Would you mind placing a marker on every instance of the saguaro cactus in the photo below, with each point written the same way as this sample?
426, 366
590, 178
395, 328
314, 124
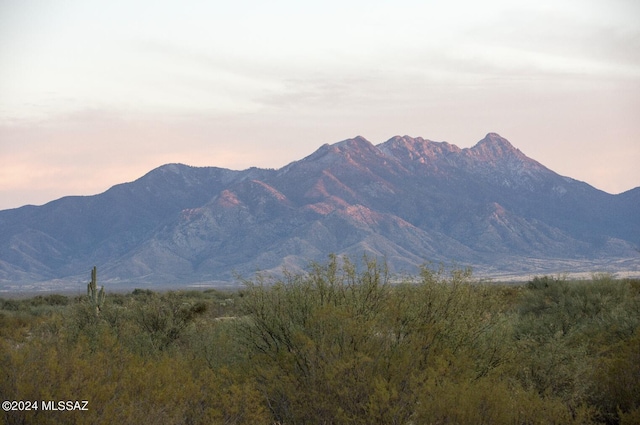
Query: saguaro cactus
96, 298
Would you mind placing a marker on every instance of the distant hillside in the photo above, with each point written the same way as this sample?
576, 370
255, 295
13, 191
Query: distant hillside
408, 200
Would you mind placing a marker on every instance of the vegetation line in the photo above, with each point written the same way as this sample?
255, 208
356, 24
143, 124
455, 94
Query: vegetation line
341, 344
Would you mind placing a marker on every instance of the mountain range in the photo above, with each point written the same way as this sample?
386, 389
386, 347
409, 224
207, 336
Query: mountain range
409, 201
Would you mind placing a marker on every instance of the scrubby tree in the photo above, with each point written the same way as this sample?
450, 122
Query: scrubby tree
345, 346
163, 318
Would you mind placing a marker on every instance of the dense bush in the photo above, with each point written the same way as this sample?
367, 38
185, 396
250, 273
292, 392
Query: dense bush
340, 344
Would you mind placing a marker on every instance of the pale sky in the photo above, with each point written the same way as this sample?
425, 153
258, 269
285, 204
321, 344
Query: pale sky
96, 93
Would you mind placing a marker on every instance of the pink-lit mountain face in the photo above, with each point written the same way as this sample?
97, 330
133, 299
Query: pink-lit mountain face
408, 201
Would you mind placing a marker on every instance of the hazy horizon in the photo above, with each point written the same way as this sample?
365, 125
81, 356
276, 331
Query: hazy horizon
94, 94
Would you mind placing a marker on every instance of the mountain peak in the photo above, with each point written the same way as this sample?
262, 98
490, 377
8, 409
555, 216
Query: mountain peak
492, 135
357, 142
495, 146
416, 149
345, 147
494, 139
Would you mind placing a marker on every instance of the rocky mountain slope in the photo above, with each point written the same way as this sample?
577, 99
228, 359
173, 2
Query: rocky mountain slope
409, 200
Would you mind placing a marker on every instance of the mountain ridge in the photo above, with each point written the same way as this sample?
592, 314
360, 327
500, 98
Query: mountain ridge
409, 200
